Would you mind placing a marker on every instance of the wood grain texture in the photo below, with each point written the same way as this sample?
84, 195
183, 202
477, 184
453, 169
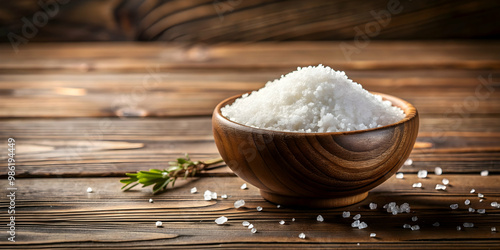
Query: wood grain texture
319, 170
59, 213
264, 20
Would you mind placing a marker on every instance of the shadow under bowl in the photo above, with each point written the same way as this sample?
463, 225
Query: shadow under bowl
316, 170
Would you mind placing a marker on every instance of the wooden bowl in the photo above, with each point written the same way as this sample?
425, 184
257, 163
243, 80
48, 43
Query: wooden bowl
318, 170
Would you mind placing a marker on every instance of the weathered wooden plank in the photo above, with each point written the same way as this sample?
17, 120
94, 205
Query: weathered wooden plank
49, 212
112, 146
159, 93
138, 57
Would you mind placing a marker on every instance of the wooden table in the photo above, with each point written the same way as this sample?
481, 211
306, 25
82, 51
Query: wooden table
83, 114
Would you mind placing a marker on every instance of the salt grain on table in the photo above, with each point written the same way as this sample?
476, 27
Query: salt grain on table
346, 214
214, 196
467, 202
422, 174
373, 235
244, 186
472, 191
355, 223
400, 175
495, 204
224, 196
415, 228
362, 225
159, 224
440, 187
472, 210
250, 226
259, 208
468, 224
302, 235
356, 217
480, 195
493, 229
436, 224
481, 210
406, 226
445, 181
417, 185
194, 190
320, 218
253, 230
459, 228
438, 171
485, 173
282, 222
239, 203
454, 206
408, 162
414, 218
89, 190
221, 220
245, 223
372, 206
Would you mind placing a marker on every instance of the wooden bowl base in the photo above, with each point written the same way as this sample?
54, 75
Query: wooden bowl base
327, 202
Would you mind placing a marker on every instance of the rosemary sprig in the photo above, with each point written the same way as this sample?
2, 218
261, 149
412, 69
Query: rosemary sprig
184, 167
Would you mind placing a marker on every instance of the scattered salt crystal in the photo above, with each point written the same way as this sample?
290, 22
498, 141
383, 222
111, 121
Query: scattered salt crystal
481, 210
408, 162
415, 228
495, 204
89, 190
151, 200
467, 202
320, 218
244, 186
472, 210
414, 218
440, 187
472, 191
480, 195
208, 192
239, 203
422, 174
278, 206
355, 223
346, 214
214, 196
253, 230
245, 223
224, 196
259, 208
454, 206
400, 175
406, 226
250, 226
480, 200
356, 217
373, 235
485, 173
445, 181
302, 235
493, 229
207, 195
282, 222
159, 224
373, 206
221, 220
194, 190
468, 224
362, 225
313, 99
459, 228
436, 224
417, 185
293, 219
438, 171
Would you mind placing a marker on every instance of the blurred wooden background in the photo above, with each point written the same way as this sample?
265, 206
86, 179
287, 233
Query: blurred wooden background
212, 21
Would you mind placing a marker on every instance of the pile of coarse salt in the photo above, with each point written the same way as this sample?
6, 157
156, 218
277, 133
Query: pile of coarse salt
313, 99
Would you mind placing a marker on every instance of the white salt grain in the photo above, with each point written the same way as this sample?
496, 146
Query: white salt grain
239, 203
417, 185
245, 223
440, 187
445, 181
151, 201
214, 196
481, 200
278, 206
282, 222
372, 206
89, 190
414, 218
302, 235
313, 99
468, 224
373, 235
356, 217
320, 218
480, 195
224, 196
438, 171
159, 224
467, 202
194, 190
481, 210
493, 229
472, 210
485, 173
422, 174
293, 219
221, 220
436, 224
406, 226
259, 208
472, 191
454, 206
207, 195
459, 228
250, 226
355, 223
400, 175
415, 228
408, 162
346, 214
253, 230
362, 225
244, 186
495, 204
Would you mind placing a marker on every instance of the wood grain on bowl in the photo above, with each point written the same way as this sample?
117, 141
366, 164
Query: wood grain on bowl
316, 169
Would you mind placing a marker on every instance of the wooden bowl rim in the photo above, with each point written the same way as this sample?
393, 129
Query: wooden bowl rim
409, 110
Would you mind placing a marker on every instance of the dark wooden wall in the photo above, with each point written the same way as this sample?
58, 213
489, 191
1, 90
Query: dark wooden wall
214, 21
